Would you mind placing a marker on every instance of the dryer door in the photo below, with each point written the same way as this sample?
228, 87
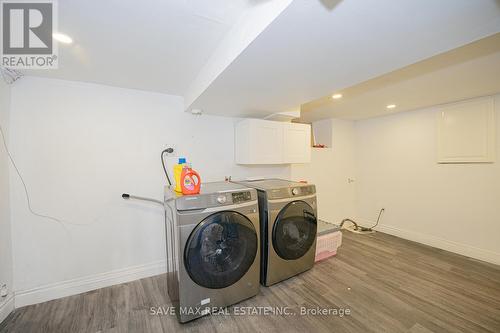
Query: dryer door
221, 249
294, 230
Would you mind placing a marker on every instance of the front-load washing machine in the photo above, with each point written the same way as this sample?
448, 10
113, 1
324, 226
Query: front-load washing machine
212, 248
288, 221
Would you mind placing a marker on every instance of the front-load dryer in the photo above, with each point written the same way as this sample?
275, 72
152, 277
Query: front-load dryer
288, 221
212, 248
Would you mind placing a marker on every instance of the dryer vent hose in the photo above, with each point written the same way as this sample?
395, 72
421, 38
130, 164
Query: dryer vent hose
361, 228
127, 196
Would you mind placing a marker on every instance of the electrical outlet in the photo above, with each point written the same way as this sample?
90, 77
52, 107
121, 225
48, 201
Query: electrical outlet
4, 291
172, 154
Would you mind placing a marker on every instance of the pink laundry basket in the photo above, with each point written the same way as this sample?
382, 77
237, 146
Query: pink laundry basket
328, 240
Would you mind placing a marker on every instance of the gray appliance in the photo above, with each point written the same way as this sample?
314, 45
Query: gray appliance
212, 248
288, 222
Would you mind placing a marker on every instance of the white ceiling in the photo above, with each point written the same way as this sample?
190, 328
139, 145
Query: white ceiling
317, 47
469, 71
156, 45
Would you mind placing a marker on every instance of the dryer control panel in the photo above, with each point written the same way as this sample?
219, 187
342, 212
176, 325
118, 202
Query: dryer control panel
291, 192
302, 190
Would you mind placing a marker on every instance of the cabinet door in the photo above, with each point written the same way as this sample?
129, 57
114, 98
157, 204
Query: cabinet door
259, 142
267, 137
297, 143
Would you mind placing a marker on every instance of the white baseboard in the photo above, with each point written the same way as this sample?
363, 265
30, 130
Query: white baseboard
6, 306
444, 244
81, 285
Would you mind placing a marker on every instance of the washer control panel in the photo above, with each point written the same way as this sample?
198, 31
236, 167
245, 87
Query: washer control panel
239, 197
221, 199
216, 199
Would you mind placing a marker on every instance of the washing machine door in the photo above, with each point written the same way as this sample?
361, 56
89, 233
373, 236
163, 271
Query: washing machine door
221, 249
294, 230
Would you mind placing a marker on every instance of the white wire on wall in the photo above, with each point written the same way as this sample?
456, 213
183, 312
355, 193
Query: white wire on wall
24, 183
10, 75
26, 192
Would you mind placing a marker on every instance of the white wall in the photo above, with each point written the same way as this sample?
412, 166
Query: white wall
79, 147
451, 206
5, 229
330, 169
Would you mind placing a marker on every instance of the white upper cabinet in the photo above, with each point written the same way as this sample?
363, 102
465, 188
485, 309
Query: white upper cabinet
297, 143
270, 142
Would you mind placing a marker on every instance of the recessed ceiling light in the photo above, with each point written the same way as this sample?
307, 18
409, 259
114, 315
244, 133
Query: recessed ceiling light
336, 96
391, 106
62, 38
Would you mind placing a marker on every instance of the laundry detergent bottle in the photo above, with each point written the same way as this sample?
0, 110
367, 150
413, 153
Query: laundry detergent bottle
190, 180
177, 174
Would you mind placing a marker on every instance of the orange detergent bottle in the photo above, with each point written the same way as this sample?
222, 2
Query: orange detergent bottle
190, 181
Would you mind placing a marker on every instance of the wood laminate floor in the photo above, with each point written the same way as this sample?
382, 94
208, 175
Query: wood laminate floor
388, 284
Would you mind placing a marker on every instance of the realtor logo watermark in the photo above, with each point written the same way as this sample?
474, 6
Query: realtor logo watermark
27, 28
